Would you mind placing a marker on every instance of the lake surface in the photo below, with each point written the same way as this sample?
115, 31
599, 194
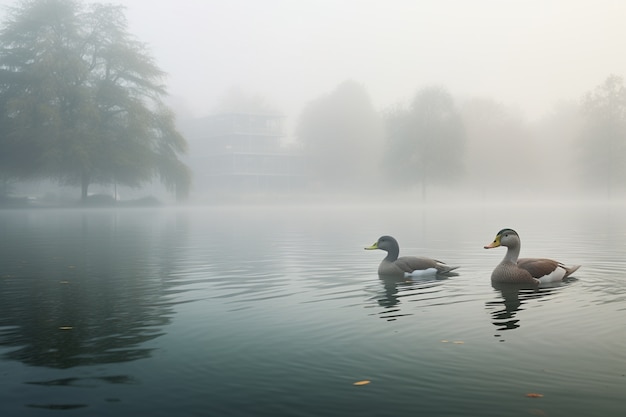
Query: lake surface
268, 311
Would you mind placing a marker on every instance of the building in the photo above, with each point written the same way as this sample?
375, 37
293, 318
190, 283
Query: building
235, 153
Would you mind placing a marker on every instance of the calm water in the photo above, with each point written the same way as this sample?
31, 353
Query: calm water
278, 311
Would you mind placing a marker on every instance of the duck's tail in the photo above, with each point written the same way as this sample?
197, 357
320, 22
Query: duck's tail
444, 269
569, 270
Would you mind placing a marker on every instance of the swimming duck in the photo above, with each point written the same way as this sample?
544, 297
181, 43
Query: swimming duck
406, 266
525, 270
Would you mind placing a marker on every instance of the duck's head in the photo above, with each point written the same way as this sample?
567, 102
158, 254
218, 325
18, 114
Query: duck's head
505, 237
386, 243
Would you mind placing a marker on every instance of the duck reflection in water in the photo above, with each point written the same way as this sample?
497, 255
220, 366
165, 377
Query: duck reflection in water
395, 290
515, 298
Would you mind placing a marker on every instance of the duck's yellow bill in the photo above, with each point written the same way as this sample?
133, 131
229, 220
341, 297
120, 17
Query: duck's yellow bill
374, 246
494, 244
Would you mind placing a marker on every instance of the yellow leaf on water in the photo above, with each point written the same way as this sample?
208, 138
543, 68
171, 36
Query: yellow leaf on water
65, 328
364, 382
458, 342
444, 341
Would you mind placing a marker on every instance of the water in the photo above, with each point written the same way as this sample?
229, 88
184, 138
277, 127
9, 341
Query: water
266, 311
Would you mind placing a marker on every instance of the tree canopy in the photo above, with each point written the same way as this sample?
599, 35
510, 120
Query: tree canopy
81, 100
501, 160
603, 136
341, 135
426, 141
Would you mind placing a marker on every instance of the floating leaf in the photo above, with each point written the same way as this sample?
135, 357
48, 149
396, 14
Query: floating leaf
444, 341
65, 328
458, 342
534, 395
364, 382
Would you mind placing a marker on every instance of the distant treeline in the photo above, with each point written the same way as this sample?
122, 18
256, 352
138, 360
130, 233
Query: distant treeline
477, 145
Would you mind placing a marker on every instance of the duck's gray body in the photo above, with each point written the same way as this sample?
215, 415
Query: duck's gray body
517, 270
403, 266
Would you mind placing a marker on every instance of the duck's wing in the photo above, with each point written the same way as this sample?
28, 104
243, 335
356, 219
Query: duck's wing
545, 270
411, 264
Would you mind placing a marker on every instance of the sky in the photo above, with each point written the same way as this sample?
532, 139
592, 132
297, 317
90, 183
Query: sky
527, 54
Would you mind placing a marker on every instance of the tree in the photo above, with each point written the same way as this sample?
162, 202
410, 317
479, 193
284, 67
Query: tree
81, 100
603, 136
501, 157
556, 144
341, 135
426, 141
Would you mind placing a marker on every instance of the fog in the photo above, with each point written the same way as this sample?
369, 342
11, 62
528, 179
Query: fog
530, 54
513, 70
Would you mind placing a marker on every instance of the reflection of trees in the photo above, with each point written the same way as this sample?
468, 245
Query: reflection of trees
85, 291
395, 289
513, 299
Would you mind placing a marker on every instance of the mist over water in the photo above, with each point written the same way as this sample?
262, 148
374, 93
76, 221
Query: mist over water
270, 310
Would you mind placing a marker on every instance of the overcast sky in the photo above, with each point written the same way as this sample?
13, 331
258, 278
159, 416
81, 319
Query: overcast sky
528, 54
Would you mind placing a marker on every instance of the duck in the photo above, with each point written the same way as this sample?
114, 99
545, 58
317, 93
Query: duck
406, 266
517, 270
